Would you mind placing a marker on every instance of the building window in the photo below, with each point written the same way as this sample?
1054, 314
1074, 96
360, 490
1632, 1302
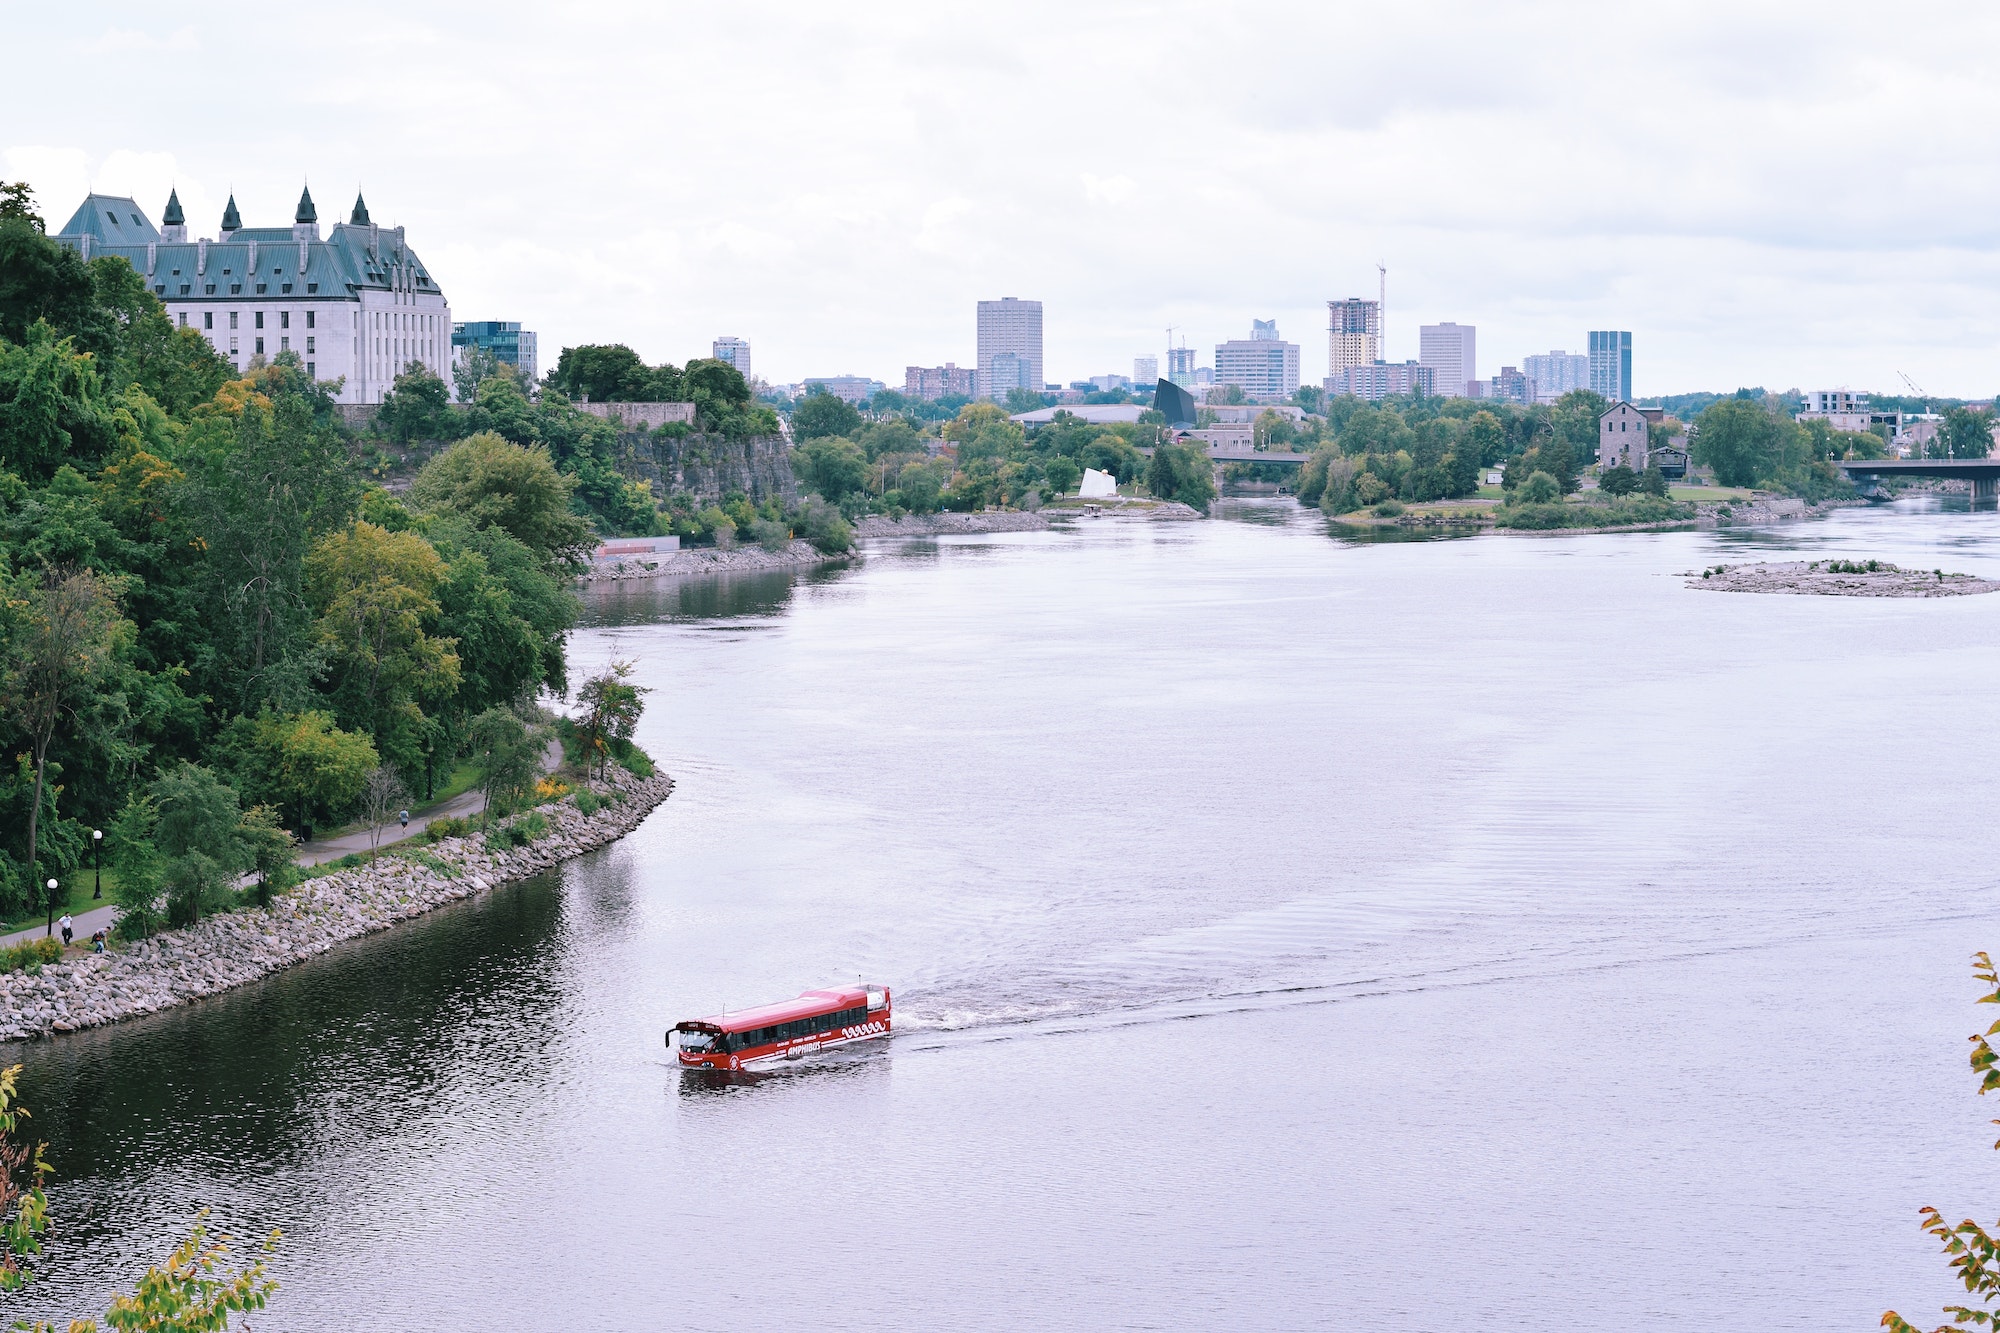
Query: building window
312, 369
208, 319
284, 319
209, 289
312, 289
285, 289
232, 347
236, 289
184, 319
263, 287
260, 347
232, 319
284, 344
311, 320
259, 317
310, 347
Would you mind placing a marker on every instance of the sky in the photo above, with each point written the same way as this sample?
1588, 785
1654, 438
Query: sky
1785, 195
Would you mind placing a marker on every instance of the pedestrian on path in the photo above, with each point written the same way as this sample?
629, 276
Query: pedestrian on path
405, 817
67, 927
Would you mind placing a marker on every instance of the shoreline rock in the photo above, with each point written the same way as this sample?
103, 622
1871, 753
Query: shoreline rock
1813, 579
236, 948
708, 560
948, 524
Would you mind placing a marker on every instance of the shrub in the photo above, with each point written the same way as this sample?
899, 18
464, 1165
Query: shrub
589, 802
446, 826
48, 949
632, 759
349, 861
437, 865
531, 826
1389, 509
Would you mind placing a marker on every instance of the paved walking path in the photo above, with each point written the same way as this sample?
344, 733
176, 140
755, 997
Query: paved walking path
85, 924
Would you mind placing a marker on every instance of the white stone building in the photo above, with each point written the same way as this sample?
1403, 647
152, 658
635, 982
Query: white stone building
357, 306
736, 351
1262, 365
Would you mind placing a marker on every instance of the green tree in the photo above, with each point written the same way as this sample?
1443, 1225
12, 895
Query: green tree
53, 408
302, 763
417, 407
820, 414
41, 279
196, 829
1620, 480
493, 483
612, 706
1182, 472
269, 848
1738, 439
1964, 433
62, 635
507, 755
831, 465
1063, 475
140, 869
1024, 400
376, 592
603, 373
1539, 489
921, 487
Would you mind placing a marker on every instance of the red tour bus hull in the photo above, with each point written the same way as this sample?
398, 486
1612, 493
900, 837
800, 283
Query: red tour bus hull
788, 1030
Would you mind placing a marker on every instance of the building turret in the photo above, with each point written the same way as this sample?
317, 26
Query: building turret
305, 222
232, 221
173, 222
360, 215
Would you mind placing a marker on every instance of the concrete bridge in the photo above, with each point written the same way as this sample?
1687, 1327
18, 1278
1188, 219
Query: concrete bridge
1983, 473
1225, 453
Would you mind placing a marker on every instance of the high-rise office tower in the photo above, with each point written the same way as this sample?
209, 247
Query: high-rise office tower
1145, 371
1180, 366
736, 351
1611, 364
1013, 329
1353, 334
1262, 365
1451, 351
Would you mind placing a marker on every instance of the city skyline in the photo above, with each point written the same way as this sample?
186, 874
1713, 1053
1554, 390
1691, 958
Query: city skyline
871, 243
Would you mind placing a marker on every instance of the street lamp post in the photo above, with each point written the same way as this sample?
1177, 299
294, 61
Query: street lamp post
52, 907
97, 860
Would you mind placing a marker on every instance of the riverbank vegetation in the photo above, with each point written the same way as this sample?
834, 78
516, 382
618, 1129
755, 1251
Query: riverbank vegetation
216, 632
892, 461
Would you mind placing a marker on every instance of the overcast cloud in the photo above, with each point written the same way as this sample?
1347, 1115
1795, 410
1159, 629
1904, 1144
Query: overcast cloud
1787, 195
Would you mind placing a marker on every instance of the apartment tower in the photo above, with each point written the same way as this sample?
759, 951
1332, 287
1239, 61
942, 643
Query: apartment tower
1353, 335
1611, 364
1010, 346
1451, 351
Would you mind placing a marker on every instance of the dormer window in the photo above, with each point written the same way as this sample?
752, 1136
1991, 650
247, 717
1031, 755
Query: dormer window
312, 289
176, 273
225, 273
136, 222
236, 289
261, 287
284, 289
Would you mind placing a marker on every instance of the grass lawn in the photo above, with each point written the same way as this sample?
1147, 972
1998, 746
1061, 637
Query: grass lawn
78, 883
1728, 493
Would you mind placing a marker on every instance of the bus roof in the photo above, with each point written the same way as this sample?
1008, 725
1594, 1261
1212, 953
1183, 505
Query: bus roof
805, 1006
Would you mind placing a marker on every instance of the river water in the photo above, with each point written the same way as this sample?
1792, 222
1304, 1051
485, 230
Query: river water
1288, 932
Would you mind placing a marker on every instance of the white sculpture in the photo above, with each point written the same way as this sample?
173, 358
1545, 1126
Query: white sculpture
1097, 485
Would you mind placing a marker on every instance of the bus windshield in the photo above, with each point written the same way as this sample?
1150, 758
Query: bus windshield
697, 1041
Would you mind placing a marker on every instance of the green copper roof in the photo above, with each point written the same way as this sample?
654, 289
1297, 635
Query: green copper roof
110, 219
359, 217
231, 219
173, 217
306, 213
341, 265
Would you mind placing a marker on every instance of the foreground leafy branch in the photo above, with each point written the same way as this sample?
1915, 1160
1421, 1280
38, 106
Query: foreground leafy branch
1973, 1251
193, 1292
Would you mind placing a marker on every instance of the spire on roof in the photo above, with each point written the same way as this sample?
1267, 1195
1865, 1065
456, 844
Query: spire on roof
306, 213
173, 216
231, 219
360, 218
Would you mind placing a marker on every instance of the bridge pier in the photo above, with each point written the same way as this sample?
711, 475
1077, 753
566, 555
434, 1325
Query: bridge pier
1986, 491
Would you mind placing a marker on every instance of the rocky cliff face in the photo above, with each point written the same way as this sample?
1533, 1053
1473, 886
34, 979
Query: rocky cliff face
709, 467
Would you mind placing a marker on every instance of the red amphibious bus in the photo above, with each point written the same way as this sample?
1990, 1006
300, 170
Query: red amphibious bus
758, 1038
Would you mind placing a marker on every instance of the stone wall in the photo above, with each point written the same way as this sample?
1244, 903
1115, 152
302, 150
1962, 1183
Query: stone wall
234, 948
640, 416
708, 467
